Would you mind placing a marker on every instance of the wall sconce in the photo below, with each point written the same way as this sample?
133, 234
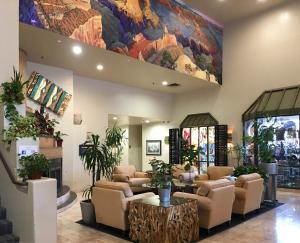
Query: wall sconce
229, 136
77, 119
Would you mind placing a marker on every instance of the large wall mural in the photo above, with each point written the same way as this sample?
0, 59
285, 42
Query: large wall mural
167, 33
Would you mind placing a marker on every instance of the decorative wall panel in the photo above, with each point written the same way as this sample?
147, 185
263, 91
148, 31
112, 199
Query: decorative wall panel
167, 33
46, 93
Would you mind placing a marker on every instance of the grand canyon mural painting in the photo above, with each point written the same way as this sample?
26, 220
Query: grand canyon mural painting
167, 33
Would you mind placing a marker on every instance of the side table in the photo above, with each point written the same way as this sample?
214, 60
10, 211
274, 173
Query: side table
175, 222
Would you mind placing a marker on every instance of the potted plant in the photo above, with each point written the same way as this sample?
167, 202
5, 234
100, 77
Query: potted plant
155, 164
115, 140
189, 155
263, 140
12, 95
33, 166
20, 127
162, 180
58, 138
43, 123
249, 169
99, 160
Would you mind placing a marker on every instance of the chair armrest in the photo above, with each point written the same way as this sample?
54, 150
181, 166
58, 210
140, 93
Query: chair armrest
120, 178
140, 175
135, 197
203, 177
204, 203
240, 193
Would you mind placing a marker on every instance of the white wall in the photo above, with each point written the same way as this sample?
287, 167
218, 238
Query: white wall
95, 99
64, 79
155, 131
260, 53
135, 146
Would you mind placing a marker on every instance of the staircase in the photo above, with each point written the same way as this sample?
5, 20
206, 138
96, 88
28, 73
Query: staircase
6, 228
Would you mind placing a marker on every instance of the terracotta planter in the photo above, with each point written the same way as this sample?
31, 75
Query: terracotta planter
35, 175
59, 143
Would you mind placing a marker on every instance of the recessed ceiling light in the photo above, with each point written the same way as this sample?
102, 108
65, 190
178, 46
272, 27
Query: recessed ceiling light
261, 1
77, 50
164, 83
284, 17
59, 41
100, 67
115, 118
147, 121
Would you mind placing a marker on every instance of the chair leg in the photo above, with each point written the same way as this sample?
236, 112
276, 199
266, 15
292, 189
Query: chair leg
244, 216
228, 223
208, 231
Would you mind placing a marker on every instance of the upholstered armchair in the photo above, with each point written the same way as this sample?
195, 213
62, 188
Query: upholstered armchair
181, 174
248, 193
128, 174
111, 200
215, 200
213, 173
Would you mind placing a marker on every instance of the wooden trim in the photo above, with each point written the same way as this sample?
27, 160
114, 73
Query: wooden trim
10, 174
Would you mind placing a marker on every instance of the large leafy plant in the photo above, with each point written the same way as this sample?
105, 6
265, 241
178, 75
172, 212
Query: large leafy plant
163, 176
21, 127
249, 169
43, 123
12, 95
32, 164
189, 154
263, 138
99, 160
115, 141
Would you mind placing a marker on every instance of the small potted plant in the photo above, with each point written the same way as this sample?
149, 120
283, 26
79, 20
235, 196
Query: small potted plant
58, 138
33, 166
155, 164
189, 154
162, 180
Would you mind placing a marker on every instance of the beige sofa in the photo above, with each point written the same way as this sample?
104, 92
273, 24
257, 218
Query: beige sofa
215, 200
248, 193
110, 200
213, 173
128, 174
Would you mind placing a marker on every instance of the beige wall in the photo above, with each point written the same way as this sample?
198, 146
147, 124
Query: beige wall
135, 146
260, 53
155, 131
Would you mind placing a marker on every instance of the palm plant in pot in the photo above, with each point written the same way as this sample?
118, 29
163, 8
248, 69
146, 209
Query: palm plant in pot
263, 139
162, 180
33, 166
99, 160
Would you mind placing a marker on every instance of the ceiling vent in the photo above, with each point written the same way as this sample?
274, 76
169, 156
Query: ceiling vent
174, 85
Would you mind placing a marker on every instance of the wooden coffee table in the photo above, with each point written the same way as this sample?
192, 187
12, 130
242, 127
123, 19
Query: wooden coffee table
173, 222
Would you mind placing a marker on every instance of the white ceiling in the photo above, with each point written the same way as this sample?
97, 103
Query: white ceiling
123, 120
227, 11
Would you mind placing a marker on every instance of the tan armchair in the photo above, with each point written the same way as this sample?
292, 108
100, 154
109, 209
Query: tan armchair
213, 173
248, 193
215, 200
128, 174
110, 200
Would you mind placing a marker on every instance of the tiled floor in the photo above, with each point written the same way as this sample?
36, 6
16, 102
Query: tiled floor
279, 225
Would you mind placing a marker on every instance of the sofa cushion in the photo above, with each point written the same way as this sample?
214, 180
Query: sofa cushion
119, 186
240, 182
120, 178
138, 181
206, 186
128, 170
217, 172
